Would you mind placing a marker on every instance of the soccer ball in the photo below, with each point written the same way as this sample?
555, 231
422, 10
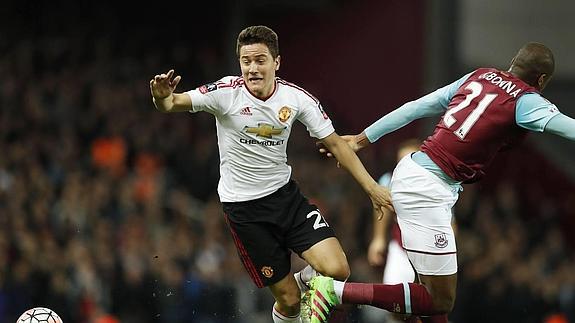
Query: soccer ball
39, 315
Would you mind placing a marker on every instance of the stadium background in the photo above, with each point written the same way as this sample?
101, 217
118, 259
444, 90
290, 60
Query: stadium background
108, 209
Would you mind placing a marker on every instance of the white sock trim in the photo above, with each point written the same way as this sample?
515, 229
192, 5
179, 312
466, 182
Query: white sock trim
308, 273
338, 288
303, 277
300, 283
407, 296
280, 318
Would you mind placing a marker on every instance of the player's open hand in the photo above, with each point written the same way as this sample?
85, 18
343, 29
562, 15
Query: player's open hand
163, 85
381, 200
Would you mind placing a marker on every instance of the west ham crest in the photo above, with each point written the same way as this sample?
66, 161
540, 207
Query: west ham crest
441, 240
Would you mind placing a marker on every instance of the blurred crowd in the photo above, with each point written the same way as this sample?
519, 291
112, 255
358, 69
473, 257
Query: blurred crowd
108, 208
515, 268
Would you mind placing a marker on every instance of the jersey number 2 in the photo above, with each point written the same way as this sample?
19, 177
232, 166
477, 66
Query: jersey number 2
476, 89
319, 220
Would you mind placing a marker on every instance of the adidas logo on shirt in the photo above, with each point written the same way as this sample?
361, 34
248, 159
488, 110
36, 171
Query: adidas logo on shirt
246, 111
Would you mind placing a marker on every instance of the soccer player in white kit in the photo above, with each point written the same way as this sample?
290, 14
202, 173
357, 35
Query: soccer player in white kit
266, 213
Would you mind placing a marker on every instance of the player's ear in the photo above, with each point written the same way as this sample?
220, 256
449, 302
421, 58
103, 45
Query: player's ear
277, 62
542, 81
513, 60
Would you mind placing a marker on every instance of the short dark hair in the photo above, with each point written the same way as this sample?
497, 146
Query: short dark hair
259, 35
532, 60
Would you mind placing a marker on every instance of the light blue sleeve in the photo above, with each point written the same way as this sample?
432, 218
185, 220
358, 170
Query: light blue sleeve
533, 112
385, 179
432, 104
561, 125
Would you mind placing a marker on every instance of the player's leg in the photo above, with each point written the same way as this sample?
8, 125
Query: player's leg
328, 258
433, 295
397, 270
330, 266
441, 318
423, 205
404, 298
268, 264
313, 239
443, 290
257, 231
287, 296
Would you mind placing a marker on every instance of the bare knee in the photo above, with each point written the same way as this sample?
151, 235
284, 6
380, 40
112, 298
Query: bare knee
342, 272
338, 270
327, 258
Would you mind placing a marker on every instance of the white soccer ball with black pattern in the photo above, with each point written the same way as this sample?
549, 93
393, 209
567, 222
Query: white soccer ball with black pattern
39, 315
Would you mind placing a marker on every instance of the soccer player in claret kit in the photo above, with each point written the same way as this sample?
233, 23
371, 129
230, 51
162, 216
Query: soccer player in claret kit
267, 214
484, 112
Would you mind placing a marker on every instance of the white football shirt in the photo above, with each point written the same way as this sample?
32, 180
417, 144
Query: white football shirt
253, 134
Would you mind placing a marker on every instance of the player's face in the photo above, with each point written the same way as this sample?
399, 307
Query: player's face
258, 69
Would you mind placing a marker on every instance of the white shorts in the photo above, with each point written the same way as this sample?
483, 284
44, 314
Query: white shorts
423, 204
397, 266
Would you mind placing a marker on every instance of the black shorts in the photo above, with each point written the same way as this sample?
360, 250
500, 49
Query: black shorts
266, 230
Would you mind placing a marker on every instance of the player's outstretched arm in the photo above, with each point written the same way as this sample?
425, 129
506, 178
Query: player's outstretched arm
355, 142
432, 104
561, 125
380, 196
162, 88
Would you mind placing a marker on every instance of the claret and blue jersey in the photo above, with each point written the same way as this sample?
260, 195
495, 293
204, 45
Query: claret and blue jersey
484, 111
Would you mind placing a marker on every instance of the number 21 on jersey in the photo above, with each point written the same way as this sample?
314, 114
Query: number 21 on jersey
476, 88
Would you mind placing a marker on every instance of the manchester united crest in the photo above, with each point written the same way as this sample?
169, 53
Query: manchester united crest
267, 271
284, 114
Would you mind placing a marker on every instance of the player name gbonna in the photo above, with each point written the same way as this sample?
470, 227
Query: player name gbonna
506, 85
